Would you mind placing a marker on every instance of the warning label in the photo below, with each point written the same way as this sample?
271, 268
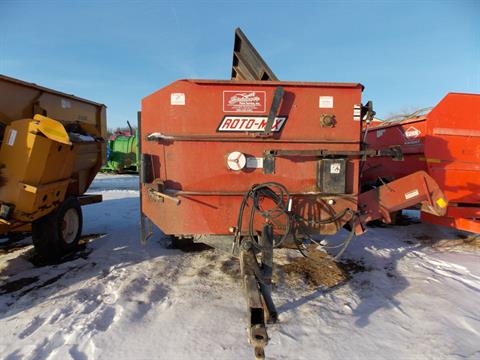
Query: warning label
177, 99
244, 101
250, 123
66, 104
326, 102
335, 168
12, 137
411, 194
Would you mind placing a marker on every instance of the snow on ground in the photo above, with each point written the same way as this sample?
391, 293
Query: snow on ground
117, 299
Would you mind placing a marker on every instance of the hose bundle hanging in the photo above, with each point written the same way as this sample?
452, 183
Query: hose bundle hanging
282, 200
282, 203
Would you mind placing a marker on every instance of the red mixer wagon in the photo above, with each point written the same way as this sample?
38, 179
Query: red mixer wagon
251, 164
446, 144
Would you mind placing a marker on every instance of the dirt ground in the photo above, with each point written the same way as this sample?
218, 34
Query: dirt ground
462, 243
290, 268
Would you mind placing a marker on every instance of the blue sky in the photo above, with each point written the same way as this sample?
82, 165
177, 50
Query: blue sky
407, 54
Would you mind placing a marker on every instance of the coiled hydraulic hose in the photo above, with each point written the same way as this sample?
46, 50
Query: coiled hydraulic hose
281, 198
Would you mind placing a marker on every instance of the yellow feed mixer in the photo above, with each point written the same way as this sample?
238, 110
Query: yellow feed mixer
52, 147
37, 159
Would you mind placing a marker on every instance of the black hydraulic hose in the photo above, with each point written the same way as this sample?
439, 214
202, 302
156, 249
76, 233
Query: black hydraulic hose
323, 221
343, 245
282, 200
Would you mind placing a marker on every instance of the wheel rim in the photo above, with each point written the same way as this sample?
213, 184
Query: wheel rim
70, 226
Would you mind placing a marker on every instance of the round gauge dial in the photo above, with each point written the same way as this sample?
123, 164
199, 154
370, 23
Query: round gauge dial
236, 161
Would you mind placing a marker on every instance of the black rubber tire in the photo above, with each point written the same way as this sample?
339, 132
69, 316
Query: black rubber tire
47, 232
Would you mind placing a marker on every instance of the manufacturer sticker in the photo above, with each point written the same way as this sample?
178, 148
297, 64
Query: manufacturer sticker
244, 101
326, 102
412, 133
249, 123
177, 99
411, 194
380, 133
12, 137
335, 168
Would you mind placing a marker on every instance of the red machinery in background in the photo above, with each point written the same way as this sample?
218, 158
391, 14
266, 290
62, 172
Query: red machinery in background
252, 163
446, 144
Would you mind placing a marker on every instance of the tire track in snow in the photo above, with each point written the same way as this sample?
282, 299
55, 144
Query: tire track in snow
98, 304
448, 270
90, 309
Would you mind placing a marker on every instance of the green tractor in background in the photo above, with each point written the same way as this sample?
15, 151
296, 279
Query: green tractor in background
122, 152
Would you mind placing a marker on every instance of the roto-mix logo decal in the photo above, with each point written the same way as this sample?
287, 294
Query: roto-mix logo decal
241, 123
244, 101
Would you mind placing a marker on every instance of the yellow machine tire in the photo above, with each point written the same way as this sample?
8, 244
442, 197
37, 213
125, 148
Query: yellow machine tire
58, 233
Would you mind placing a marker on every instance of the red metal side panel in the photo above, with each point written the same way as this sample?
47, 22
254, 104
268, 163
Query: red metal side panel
459, 223
410, 136
452, 146
192, 108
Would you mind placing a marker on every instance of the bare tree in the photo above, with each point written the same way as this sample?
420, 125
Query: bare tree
407, 112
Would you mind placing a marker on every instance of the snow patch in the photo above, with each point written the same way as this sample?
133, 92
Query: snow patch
123, 300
